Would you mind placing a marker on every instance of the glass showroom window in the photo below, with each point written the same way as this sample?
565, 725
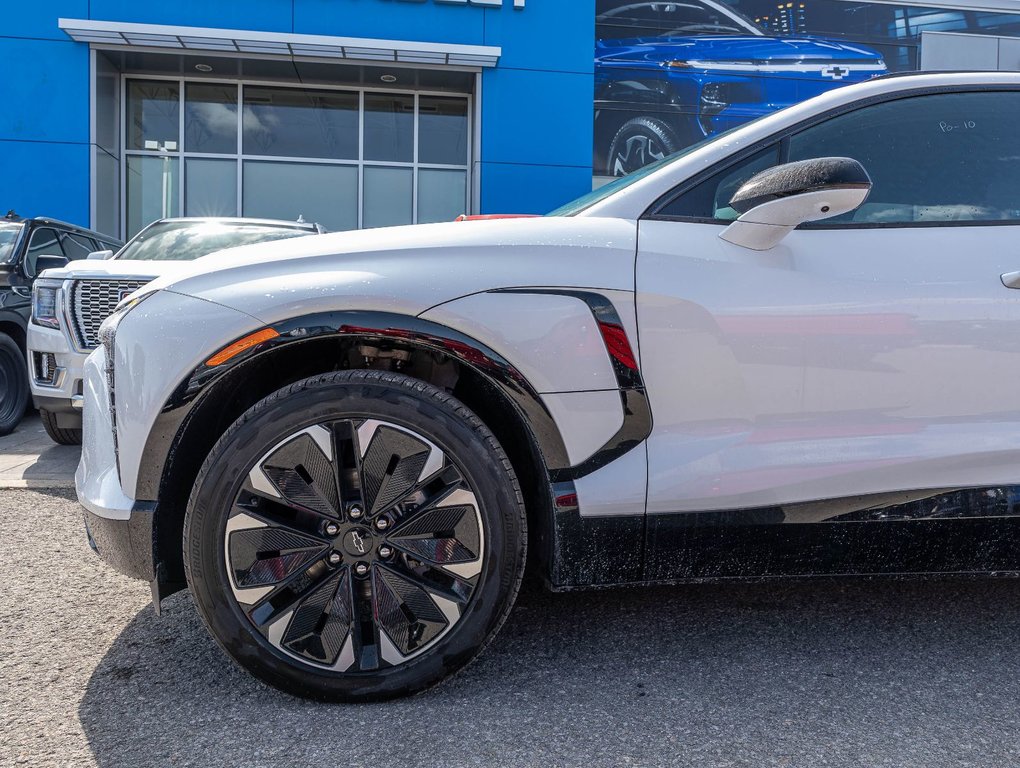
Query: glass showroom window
345, 158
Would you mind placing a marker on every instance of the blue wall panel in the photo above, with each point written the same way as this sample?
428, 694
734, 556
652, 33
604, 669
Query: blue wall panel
520, 188
556, 35
39, 19
537, 117
391, 20
44, 90
262, 15
45, 179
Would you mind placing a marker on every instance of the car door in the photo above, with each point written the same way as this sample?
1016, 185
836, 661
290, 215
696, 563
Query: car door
871, 353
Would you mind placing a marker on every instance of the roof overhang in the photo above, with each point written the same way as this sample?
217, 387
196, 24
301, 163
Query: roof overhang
116, 35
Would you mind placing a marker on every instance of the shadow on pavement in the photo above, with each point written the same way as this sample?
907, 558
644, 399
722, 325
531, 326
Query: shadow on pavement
54, 466
849, 673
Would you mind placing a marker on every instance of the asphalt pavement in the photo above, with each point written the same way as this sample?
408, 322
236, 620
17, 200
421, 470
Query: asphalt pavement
816, 673
29, 459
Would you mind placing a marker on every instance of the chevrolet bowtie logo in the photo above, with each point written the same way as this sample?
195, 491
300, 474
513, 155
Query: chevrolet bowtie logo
358, 542
836, 72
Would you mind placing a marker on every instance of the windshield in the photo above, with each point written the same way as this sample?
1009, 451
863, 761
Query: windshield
600, 194
597, 195
8, 237
188, 240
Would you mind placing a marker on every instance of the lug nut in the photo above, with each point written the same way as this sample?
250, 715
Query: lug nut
355, 512
361, 569
334, 558
382, 524
385, 552
332, 529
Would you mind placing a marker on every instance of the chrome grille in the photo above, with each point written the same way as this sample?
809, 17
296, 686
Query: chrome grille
108, 338
92, 301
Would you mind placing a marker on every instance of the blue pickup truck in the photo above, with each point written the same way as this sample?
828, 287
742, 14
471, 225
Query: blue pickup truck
669, 74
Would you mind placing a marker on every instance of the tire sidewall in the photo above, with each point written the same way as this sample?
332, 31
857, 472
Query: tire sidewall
14, 401
319, 400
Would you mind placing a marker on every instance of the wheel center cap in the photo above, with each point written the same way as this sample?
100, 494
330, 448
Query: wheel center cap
357, 542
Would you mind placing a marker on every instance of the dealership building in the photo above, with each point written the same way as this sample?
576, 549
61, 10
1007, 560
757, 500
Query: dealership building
351, 113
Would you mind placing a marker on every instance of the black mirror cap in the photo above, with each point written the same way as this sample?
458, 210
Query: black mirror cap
48, 262
799, 178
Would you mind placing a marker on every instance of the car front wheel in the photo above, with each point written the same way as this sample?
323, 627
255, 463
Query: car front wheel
355, 536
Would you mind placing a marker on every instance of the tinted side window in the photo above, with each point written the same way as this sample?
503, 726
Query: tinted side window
948, 157
77, 247
42, 243
710, 198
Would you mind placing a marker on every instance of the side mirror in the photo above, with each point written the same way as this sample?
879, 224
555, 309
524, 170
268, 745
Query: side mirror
776, 201
48, 262
100, 255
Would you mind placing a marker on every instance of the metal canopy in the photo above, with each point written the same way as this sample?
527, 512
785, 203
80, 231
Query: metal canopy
113, 34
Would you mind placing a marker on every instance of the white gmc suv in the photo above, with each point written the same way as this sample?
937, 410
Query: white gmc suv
791, 350
69, 304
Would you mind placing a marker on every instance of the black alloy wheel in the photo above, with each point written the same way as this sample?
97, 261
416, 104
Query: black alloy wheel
355, 536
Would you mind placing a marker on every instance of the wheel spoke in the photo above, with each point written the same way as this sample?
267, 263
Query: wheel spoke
348, 464
425, 496
277, 512
288, 593
322, 620
366, 635
445, 535
432, 578
301, 471
406, 612
391, 466
264, 550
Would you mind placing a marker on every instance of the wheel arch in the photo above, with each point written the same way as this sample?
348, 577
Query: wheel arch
16, 331
208, 401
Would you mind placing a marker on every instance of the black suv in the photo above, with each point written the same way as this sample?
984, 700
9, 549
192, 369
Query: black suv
27, 247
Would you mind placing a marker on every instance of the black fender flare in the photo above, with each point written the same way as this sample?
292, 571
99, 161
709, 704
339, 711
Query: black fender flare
566, 531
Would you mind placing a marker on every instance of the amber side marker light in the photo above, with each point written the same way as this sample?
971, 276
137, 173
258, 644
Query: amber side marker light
241, 345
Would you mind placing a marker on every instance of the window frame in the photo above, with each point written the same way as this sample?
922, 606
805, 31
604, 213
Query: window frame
783, 136
74, 237
57, 232
361, 162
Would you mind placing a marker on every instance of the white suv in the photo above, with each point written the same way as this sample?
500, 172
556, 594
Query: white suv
68, 304
793, 349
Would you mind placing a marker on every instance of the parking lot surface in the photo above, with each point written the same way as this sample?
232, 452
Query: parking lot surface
29, 459
823, 673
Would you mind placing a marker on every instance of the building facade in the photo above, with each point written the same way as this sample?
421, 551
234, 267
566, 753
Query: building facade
365, 113
352, 113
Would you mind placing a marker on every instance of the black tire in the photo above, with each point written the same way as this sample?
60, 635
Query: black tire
13, 384
281, 437
61, 435
640, 141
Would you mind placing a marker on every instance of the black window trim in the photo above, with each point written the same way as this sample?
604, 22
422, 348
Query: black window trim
783, 138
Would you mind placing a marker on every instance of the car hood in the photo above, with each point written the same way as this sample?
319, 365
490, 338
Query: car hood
115, 269
749, 48
410, 269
